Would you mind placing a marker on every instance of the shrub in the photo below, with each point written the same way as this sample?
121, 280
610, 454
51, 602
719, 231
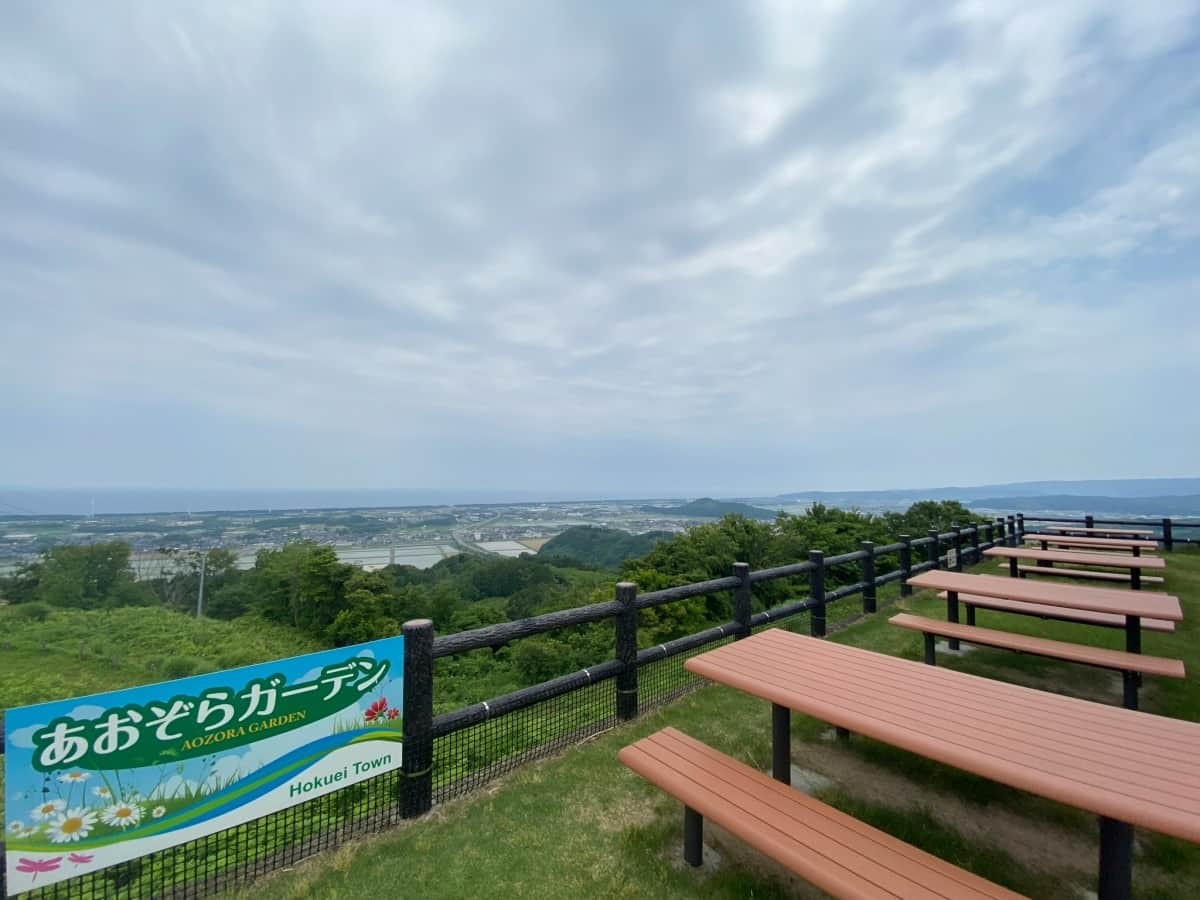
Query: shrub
180, 666
32, 612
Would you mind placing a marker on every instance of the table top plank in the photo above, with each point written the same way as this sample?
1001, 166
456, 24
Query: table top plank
1112, 560
1127, 765
1115, 543
1147, 604
1132, 532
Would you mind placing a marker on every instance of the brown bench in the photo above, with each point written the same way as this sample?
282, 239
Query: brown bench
835, 852
1081, 573
1047, 611
1130, 665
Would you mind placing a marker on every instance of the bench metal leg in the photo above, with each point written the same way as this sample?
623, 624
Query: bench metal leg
693, 837
1014, 570
1133, 634
930, 652
1116, 860
952, 615
781, 743
1135, 579
970, 614
843, 734
1130, 682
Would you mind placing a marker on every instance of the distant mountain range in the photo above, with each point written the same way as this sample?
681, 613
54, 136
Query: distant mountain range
1133, 506
1118, 488
708, 508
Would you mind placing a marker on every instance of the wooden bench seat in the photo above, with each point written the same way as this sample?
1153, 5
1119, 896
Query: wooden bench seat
835, 852
1047, 611
1081, 573
1129, 664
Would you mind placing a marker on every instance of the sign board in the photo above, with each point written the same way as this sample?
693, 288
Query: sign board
98, 780
951, 558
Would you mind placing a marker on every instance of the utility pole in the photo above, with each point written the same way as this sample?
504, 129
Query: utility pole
200, 596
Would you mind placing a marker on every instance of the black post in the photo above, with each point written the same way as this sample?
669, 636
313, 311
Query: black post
1133, 634
975, 557
957, 539
1129, 684
991, 533
999, 538
781, 743
417, 760
868, 576
1089, 522
693, 837
930, 652
933, 550
952, 615
1012, 531
1168, 539
816, 593
1013, 570
1020, 527
1135, 578
741, 600
627, 678
1116, 860
905, 565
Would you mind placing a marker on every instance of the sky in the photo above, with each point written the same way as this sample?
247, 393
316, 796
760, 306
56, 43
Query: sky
615, 248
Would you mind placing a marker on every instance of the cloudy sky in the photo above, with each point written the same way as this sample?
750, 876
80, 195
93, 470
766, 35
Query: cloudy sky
617, 248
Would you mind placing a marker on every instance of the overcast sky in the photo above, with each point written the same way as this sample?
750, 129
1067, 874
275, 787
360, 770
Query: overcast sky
622, 248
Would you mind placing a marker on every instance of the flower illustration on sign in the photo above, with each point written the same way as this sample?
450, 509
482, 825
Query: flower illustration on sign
73, 777
47, 809
158, 812
73, 825
122, 814
38, 866
376, 710
16, 827
102, 792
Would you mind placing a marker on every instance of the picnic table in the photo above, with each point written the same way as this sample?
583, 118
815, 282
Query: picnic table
1129, 545
1129, 768
1134, 606
1134, 564
1091, 532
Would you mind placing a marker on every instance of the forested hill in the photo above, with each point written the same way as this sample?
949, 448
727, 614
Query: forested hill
708, 508
604, 548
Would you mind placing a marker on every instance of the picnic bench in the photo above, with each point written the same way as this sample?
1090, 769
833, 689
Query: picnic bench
1132, 606
1092, 531
1130, 768
1131, 545
1130, 665
1047, 558
836, 852
1089, 574
1044, 611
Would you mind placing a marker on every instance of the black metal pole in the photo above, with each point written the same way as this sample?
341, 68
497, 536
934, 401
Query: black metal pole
781, 743
1020, 526
933, 550
626, 651
958, 541
1168, 538
1133, 634
1135, 578
975, 557
1089, 522
868, 576
742, 596
999, 538
416, 785
1012, 531
1014, 570
693, 837
816, 593
1116, 860
930, 651
905, 565
952, 615
1129, 692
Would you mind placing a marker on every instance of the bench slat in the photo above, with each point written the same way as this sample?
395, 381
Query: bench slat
1081, 558
1048, 611
1119, 660
834, 851
1082, 573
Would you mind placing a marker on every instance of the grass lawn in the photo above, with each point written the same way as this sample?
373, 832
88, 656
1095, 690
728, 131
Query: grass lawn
581, 825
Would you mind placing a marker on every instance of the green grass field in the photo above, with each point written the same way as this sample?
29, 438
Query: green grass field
581, 825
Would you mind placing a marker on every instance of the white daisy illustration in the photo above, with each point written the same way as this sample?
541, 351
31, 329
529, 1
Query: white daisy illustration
102, 792
46, 809
73, 777
122, 814
16, 827
72, 825
158, 812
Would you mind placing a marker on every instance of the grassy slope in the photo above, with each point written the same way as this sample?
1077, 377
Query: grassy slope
581, 825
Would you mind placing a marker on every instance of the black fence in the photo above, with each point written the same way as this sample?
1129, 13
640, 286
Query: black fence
449, 755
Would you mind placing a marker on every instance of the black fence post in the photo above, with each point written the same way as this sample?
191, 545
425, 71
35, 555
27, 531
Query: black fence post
975, 557
1012, 531
1168, 539
816, 593
933, 550
1020, 527
868, 576
416, 785
627, 678
741, 600
956, 541
1089, 521
905, 565
998, 536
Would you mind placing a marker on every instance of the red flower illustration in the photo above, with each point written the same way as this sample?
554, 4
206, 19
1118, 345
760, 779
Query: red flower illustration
80, 858
393, 713
376, 710
38, 866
